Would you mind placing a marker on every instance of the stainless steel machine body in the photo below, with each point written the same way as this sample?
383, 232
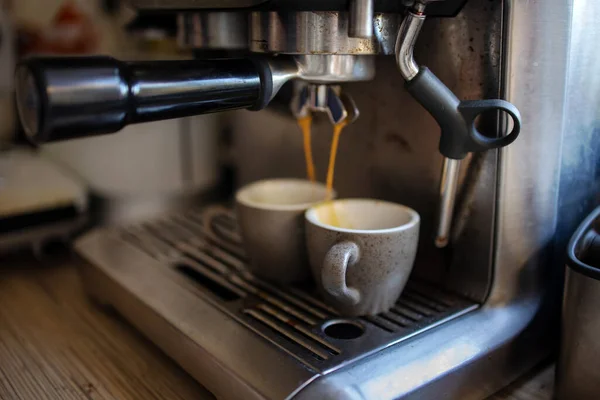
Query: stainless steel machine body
492, 295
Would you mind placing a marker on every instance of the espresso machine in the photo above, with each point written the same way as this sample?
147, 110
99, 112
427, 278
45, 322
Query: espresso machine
482, 301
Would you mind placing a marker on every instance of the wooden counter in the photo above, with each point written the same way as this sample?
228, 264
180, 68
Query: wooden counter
56, 344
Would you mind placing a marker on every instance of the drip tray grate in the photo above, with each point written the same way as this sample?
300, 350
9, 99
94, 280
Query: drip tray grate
292, 318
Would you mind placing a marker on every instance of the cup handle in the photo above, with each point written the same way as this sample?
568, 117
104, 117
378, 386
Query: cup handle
207, 223
333, 273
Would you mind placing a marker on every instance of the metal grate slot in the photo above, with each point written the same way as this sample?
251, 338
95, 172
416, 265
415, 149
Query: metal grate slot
293, 300
431, 292
305, 330
226, 243
406, 313
397, 319
148, 243
382, 323
219, 289
425, 301
418, 308
293, 318
139, 243
205, 259
311, 299
278, 303
165, 235
173, 233
287, 333
230, 261
228, 223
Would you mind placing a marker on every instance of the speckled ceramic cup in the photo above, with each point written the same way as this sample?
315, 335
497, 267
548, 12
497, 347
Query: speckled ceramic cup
361, 252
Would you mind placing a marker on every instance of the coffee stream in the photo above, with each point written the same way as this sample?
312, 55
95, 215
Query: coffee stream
327, 212
337, 130
305, 125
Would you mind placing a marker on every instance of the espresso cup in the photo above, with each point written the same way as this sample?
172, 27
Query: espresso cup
361, 252
270, 216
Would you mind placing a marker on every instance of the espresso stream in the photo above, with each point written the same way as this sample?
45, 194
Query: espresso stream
327, 213
305, 124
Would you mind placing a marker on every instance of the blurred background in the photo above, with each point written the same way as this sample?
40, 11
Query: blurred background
50, 192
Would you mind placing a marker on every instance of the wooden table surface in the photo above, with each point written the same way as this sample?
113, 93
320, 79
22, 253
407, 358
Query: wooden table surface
56, 344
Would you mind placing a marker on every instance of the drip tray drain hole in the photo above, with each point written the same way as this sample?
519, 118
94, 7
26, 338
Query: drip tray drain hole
343, 329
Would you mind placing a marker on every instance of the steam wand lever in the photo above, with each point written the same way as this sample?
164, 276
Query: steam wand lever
456, 118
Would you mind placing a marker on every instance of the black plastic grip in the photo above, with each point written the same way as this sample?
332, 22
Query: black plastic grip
68, 97
457, 118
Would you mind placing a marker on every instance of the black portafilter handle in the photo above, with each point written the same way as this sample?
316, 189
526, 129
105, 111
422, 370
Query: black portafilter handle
60, 98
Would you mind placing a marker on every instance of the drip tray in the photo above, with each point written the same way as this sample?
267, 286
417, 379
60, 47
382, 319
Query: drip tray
293, 319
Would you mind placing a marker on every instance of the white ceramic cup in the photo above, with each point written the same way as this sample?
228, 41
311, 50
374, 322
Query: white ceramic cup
270, 215
361, 252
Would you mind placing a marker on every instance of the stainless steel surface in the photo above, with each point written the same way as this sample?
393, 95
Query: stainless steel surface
187, 322
448, 188
132, 270
580, 183
282, 71
419, 5
183, 245
168, 265
333, 68
318, 96
385, 31
577, 372
310, 98
528, 186
535, 193
169, 309
224, 30
361, 19
329, 99
405, 44
318, 32
455, 361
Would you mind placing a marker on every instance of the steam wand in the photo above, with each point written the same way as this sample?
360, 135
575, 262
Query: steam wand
456, 118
